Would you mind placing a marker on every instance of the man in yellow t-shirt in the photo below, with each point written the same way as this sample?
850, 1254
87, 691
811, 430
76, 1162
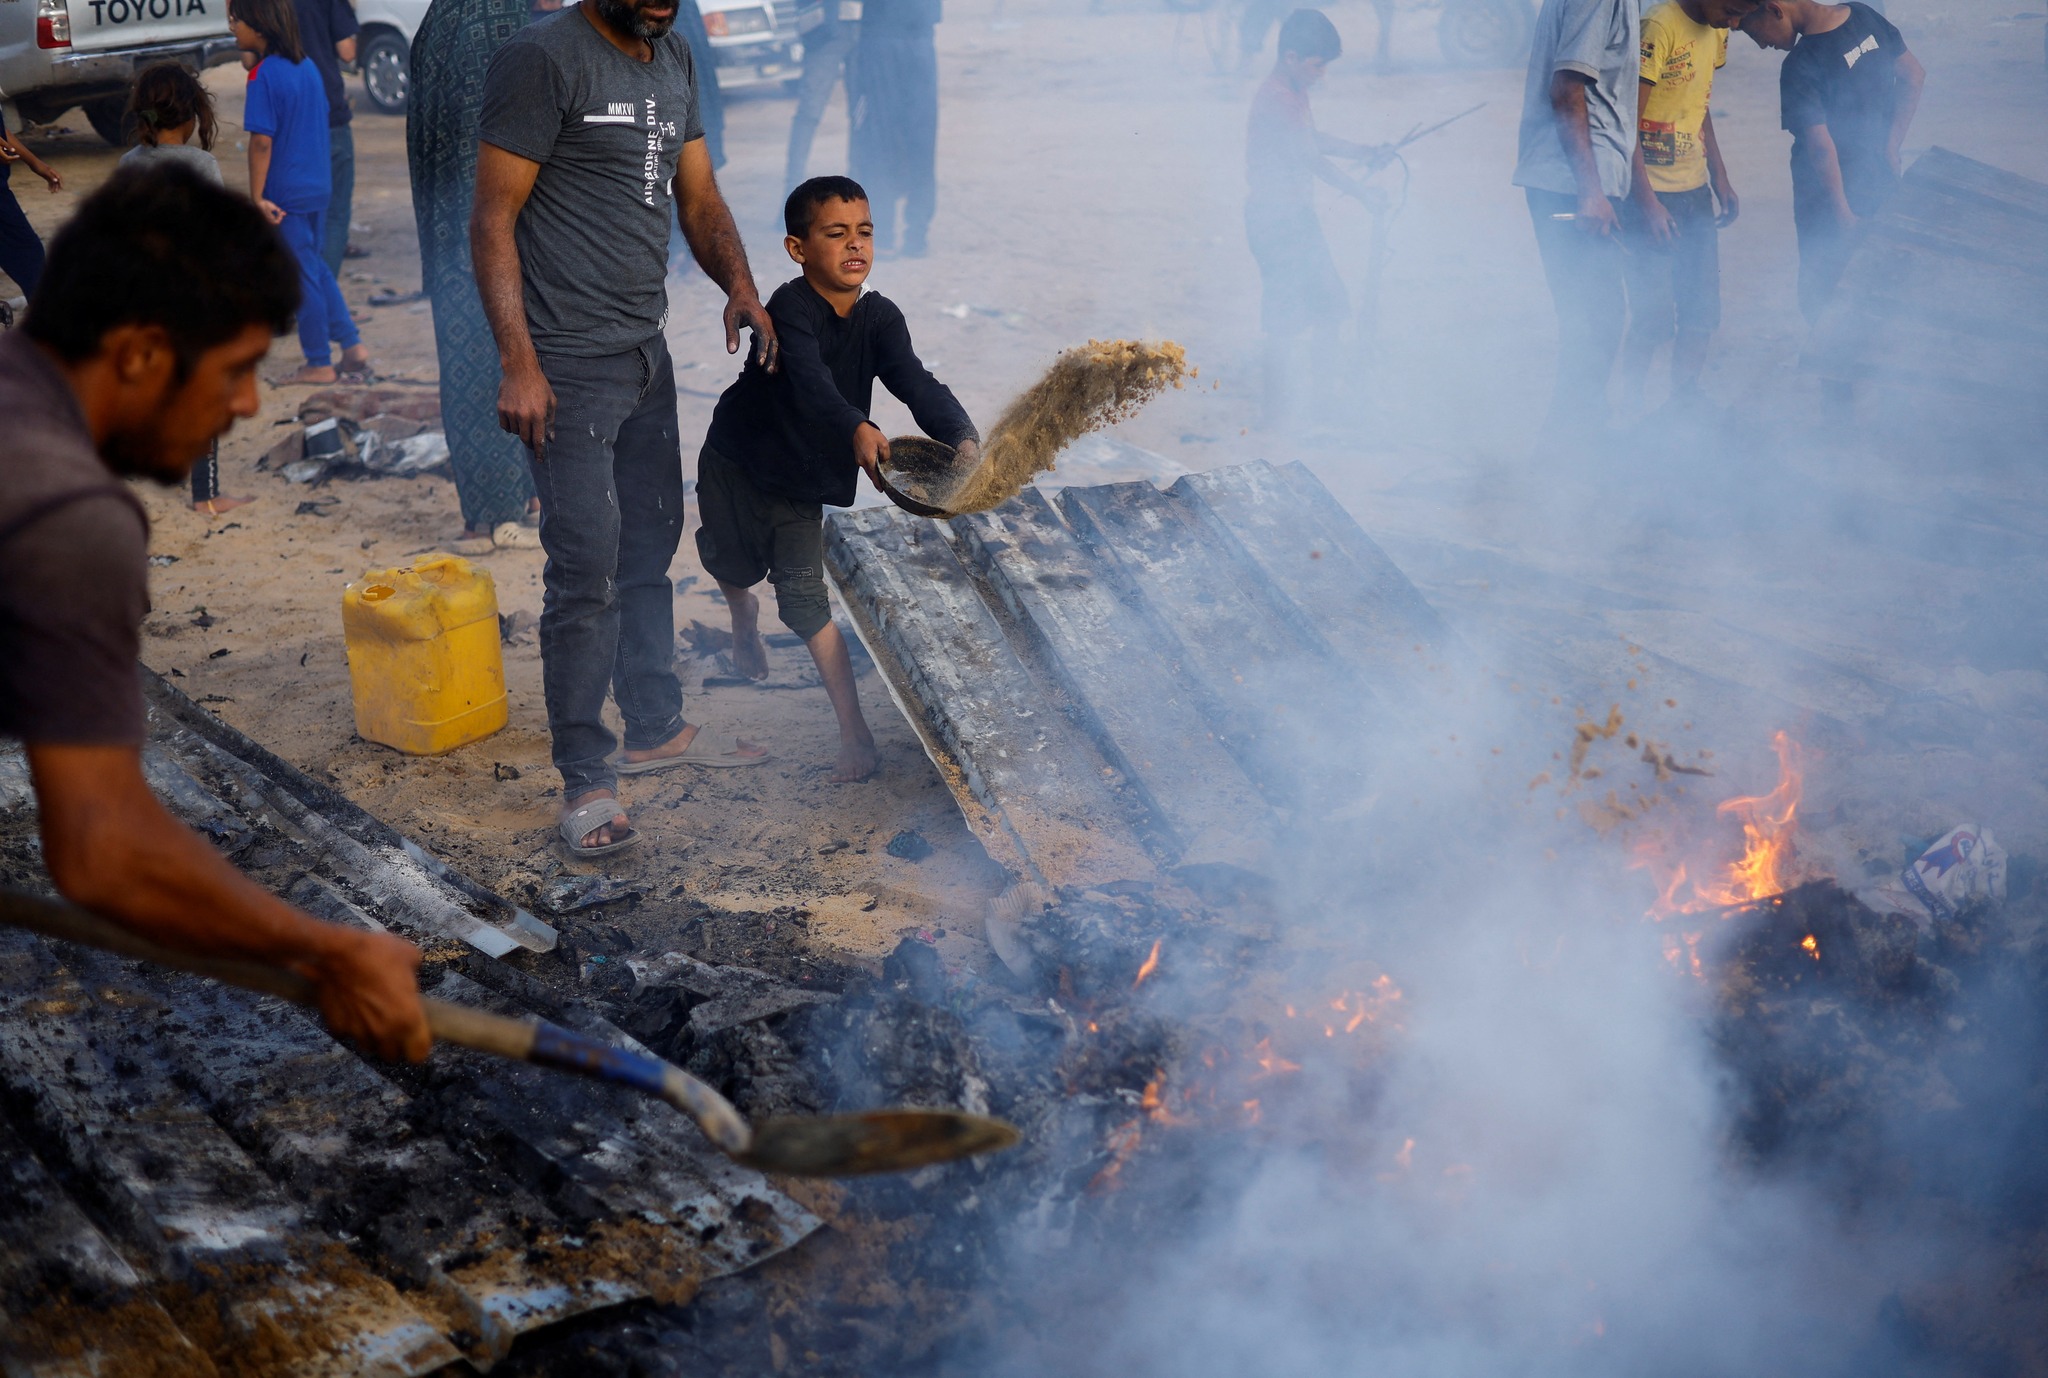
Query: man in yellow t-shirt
1669, 224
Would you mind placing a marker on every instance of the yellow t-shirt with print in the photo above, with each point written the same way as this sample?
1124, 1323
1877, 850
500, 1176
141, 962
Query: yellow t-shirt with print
1680, 58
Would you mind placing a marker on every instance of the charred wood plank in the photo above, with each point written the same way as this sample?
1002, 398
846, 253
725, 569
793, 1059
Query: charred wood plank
176, 1187
1034, 795
1126, 690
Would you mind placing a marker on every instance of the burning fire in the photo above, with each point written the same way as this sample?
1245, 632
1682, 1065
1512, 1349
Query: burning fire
1151, 964
1218, 1088
1769, 829
1811, 946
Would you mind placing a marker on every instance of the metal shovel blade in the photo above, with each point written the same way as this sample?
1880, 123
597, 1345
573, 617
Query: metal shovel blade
878, 1141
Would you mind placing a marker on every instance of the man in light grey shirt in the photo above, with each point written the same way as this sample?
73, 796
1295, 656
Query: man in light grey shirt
590, 144
1578, 138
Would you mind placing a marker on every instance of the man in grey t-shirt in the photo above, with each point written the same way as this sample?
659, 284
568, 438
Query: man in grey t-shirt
590, 141
140, 349
1577, 140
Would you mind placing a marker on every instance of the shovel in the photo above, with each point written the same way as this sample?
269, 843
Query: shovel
821, 1146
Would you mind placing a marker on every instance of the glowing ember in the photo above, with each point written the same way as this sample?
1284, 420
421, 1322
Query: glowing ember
1271, 1063
1151, 964
1812, 946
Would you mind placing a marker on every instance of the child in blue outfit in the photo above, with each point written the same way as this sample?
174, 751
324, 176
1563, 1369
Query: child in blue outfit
290, 175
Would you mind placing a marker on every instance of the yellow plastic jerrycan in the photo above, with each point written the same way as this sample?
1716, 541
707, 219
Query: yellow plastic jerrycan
423, 655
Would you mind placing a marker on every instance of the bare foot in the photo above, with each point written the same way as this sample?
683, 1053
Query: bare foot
750, 655
605, 834
857, 762
213, 507
678, 744
355, 360
749, 652
312, 374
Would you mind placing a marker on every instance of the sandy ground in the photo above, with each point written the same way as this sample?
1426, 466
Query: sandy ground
1091, 187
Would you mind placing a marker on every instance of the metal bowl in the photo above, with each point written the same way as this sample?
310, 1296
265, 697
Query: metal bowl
921, 475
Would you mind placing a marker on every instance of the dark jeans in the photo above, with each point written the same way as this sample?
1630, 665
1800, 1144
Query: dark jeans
21, 249
611, 517
893, 84
206, 476
1677, 286
1585, 276
341, 162
824, 64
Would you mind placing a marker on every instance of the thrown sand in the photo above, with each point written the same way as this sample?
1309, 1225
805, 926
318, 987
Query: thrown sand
1086, 389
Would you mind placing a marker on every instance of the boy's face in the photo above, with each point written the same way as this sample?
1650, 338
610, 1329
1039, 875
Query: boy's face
1303, 72
1726, 14
839, 248
1769, 27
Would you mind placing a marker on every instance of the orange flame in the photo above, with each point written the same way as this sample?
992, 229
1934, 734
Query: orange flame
1811, 945
1151, 964
1769, 829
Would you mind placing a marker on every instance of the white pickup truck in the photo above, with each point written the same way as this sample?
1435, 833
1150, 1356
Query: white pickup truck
55, 54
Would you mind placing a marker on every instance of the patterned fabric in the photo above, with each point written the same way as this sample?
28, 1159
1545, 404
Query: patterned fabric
449, 55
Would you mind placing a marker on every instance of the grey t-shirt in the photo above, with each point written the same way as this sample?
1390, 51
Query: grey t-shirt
607, 131
174, 155
1599, 39
74, 578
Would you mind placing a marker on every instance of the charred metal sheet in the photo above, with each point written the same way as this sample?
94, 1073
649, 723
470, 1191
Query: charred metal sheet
1948, 287
986, 722
1176, 663
189, 1154
1128, 694
182, 1192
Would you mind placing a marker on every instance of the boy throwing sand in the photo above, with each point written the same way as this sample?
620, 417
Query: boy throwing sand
783, 445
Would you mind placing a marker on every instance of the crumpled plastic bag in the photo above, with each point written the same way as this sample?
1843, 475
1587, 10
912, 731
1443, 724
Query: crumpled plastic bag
1963, 867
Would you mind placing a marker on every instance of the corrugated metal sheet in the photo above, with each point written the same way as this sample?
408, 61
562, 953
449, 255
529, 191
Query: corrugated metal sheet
1948, 288
1125, 680
189, 1171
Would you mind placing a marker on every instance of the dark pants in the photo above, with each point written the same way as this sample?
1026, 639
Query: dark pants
341, 162
206, 476
21, 249
323, 315
745, 535
611, 517
824, 63
893, 83
1585, 276
1677, 286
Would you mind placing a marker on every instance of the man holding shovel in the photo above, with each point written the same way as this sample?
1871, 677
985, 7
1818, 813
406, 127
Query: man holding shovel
140, 349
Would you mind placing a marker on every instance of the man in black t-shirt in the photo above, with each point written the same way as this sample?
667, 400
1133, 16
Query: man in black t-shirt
327, 30
140, 349
1846, 93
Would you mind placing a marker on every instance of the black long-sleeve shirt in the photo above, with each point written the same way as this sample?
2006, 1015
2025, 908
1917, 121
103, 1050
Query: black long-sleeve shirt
792, 431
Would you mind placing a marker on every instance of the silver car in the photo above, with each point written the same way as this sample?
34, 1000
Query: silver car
55, 54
